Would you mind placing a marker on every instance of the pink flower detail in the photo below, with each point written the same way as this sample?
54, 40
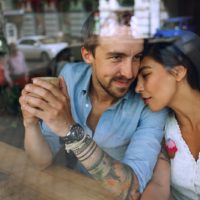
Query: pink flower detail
171, 148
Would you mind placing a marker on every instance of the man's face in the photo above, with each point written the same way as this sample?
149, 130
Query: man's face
115, 64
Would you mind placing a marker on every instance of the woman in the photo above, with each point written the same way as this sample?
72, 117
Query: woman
169, 76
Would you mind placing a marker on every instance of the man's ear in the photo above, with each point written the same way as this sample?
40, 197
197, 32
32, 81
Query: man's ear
179, 72
87, 55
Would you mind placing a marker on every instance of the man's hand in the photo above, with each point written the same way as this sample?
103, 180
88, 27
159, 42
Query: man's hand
49, 103
28, 118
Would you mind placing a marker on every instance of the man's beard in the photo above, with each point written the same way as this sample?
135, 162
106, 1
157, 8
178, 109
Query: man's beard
121, 91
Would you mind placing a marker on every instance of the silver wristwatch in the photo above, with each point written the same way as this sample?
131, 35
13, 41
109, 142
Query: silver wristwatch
75, 134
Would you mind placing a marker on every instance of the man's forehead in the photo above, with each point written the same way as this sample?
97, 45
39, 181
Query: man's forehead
114, 40
116, 45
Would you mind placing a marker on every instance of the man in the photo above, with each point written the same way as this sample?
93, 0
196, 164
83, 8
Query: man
117, 139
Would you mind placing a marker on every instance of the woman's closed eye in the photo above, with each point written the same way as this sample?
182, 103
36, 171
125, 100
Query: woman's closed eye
145, 71
145, 74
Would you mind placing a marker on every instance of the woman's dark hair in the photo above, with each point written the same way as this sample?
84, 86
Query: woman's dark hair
183, 50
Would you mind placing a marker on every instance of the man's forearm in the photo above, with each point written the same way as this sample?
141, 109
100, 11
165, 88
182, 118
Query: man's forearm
115, 176
36, 147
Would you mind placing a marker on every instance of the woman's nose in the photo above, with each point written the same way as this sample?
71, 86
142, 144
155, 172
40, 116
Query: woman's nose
139, 86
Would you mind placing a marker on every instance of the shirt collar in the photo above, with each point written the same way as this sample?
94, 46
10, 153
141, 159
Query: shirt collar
86, 83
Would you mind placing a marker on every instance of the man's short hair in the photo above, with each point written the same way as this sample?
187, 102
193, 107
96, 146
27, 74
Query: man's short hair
95, 26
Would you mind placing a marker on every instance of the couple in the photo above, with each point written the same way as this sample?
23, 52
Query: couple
114, 135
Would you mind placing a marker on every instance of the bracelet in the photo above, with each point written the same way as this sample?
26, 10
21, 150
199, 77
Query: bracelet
75, 146
76, 140
81, 146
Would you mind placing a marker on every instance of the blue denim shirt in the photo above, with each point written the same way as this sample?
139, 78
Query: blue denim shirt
128, 131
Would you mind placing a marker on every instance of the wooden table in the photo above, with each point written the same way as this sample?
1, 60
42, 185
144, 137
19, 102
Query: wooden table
20, 180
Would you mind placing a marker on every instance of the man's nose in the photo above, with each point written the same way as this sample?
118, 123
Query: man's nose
129, 70
139, 86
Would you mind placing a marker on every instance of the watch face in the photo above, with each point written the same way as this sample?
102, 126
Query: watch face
75, 134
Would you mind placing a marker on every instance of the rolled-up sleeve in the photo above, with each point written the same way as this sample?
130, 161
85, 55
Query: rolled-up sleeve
145, 145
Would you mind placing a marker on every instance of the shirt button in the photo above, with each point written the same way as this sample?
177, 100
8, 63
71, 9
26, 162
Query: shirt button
86, 105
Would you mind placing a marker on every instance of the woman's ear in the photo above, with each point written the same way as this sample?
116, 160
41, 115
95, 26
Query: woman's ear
179, 72
87, 55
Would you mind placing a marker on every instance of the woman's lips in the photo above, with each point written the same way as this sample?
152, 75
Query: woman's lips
146, 100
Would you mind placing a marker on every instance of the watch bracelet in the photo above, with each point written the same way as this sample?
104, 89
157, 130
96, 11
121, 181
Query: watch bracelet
85, 143
79, 146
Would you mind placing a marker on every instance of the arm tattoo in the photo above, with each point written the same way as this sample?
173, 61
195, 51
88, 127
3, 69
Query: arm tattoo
115, 176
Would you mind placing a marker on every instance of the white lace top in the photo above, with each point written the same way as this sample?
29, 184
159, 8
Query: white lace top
185, 170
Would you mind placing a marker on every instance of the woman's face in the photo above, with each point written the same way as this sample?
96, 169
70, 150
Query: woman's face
156, 85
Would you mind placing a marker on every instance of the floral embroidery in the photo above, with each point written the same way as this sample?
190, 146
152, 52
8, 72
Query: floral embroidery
171, 148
